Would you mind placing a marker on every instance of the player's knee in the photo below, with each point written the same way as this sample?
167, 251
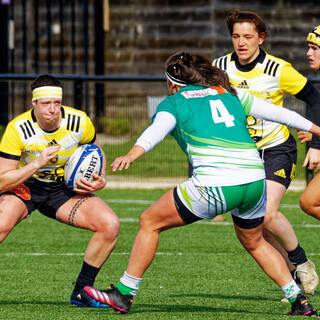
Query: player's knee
252, 243
4, 231
272, 217
307, 205
109, 226
146, 223
269, 219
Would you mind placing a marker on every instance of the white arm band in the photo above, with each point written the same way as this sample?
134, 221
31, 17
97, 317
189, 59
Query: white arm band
163, 123
267, 111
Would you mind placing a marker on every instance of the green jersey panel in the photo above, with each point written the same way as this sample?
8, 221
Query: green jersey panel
211, 129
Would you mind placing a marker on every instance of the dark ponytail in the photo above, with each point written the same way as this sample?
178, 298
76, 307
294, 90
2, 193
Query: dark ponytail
194, 69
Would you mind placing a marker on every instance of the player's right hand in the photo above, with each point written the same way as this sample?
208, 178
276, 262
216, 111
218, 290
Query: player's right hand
312, 160
47, 154
304, 136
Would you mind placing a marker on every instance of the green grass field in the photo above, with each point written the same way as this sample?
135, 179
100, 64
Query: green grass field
200, 271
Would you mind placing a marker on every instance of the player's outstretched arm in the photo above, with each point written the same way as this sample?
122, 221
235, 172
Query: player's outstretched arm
162, 124
124, 162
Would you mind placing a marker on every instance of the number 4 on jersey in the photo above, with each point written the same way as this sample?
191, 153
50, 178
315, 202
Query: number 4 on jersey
220, 113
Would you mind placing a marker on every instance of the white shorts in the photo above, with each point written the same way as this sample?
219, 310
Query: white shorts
247, 201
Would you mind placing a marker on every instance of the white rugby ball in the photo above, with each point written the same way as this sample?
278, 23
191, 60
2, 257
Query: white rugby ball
85, 160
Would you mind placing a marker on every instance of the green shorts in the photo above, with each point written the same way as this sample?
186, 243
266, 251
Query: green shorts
247, 201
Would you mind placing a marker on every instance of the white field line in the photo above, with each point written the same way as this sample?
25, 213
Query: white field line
14, 254
294, 206
21, 254
127, 201
158, 253
150, 202
39, 254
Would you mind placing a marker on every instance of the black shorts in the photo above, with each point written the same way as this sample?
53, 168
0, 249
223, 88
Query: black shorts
43, 196
280, 161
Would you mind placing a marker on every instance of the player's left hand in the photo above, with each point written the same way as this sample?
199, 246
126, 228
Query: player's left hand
312, 159
85, 186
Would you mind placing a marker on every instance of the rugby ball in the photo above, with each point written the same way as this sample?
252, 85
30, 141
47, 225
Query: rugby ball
84, 161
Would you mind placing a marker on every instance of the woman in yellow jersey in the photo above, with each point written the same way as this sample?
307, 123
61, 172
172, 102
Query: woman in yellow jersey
310, 198
33, 151
268, 77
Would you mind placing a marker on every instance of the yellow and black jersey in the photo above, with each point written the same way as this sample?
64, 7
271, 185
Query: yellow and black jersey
269, 78
24, 140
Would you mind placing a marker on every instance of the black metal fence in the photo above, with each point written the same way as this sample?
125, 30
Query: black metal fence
58, 37
79, 83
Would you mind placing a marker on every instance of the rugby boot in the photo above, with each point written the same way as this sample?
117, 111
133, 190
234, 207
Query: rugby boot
82, 299
111, 297
302, 307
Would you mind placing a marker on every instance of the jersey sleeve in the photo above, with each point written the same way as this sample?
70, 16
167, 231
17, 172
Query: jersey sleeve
246, 100
89, 132
291, 81
262, 109
167, 105
162, 125
11, 145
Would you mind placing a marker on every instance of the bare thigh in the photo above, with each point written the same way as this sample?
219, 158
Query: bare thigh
275, 193
12, 211
86, 212
162, 214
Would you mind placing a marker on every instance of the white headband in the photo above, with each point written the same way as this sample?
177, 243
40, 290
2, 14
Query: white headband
46, 92
174, 80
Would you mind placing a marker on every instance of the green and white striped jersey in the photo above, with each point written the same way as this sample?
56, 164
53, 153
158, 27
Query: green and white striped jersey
212, 130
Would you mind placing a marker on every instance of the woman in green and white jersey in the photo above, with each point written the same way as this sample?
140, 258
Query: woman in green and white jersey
207, 117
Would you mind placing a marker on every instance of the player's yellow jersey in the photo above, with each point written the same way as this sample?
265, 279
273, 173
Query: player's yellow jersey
269, 78
24, 140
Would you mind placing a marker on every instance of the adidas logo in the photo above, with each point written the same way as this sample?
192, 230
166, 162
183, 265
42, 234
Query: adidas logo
52, 143
281, 173
243, 85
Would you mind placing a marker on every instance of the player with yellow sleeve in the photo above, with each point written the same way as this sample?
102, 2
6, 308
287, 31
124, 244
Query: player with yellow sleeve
33, 151
268, 77
24, 139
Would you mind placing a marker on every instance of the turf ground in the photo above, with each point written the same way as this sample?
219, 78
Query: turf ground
199, 272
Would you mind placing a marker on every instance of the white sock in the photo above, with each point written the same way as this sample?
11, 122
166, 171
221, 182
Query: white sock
131, 282
291, 290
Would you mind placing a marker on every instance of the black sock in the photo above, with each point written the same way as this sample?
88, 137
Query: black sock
86, 276
297, 256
